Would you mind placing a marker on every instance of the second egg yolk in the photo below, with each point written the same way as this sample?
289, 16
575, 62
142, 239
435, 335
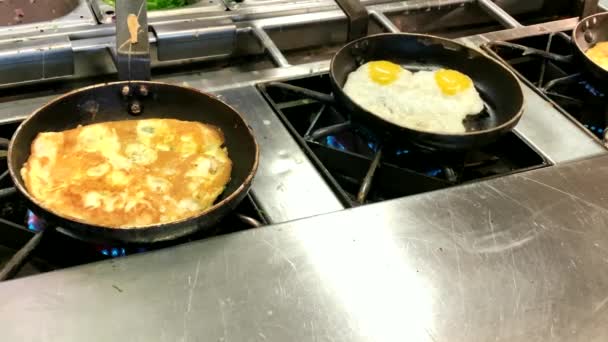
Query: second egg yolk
383, 72
452, 82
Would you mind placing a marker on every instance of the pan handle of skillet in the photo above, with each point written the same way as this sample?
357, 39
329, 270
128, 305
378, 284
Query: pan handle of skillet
358, 18
311, 94
132, 53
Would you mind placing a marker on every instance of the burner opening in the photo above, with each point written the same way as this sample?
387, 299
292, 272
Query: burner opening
344, 152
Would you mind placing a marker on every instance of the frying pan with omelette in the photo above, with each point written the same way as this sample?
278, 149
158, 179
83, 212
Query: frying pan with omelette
133, 161
106, 176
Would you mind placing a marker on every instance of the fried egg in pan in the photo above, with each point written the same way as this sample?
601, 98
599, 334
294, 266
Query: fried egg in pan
434, 101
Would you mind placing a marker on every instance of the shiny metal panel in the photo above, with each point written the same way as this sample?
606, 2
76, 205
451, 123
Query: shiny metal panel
552, 133
519, 258
16, 109
189, 39
287, 186
251, 6
27, 60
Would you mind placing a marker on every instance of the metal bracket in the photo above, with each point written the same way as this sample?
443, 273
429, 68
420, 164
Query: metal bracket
33, 60
132, 57
270, 47
188, 39
357, 16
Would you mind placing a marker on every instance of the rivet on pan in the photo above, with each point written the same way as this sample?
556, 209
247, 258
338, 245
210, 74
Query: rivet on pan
589, 38
143, 90
125, 90
135, 108
360, 47
359, 60
594, 20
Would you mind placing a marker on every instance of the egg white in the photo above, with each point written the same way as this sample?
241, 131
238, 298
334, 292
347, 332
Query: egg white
414, 100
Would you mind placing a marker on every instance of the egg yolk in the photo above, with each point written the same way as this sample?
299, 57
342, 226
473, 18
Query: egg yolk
383, 72
452, 82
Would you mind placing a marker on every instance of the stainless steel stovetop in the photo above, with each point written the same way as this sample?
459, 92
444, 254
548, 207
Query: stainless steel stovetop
299, 176
515, 253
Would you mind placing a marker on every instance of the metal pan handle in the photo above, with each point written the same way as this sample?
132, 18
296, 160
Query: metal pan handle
132, 46
357, 16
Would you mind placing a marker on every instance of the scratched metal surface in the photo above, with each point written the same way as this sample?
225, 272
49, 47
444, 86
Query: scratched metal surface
520, 258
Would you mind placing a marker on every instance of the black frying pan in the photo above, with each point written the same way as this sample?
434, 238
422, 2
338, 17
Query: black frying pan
119, 101
498, 86
105, 102
589, 31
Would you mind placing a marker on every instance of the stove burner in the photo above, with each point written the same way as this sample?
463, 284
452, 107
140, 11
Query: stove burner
115, 252
34, 223
360, 170
37, 224
545, 61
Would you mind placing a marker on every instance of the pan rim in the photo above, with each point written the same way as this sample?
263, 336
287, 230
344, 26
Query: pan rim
509, 123
24, 192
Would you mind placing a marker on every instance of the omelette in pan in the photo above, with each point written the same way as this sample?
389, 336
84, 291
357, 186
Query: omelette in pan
130, 173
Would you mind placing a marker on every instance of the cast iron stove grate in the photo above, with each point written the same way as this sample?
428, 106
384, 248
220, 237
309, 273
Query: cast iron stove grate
360, 172
545, 62
28, 246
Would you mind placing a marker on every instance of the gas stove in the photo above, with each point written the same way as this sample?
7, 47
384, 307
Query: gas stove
545, 62
312, 162
351, 162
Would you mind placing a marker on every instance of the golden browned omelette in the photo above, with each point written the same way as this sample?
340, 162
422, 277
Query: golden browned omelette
128, 173
599, 54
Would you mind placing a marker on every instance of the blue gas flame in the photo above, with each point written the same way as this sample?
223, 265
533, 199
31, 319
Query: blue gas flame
114, 252
332, 141
34, 223
593, 90
434, 172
